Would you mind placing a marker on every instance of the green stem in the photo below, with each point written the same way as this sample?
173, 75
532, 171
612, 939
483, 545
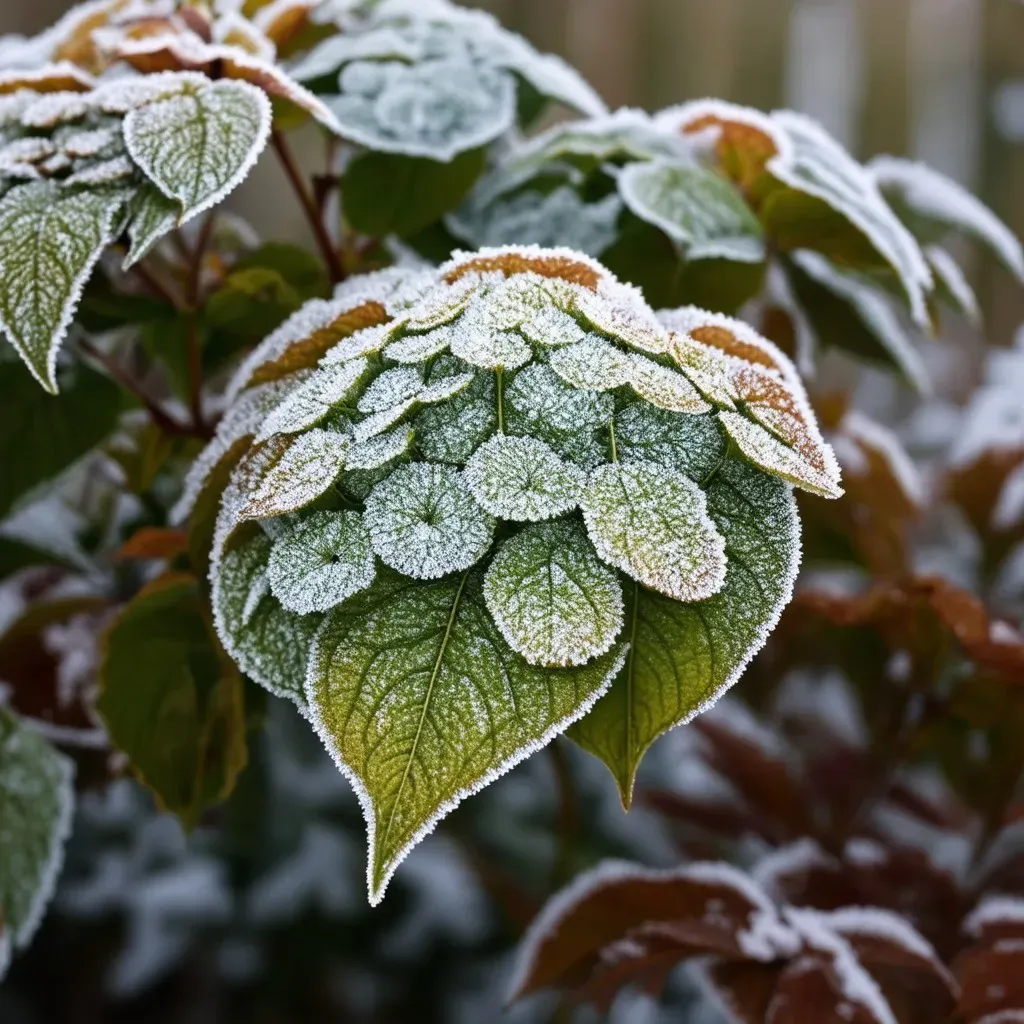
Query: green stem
501, 409
611, 438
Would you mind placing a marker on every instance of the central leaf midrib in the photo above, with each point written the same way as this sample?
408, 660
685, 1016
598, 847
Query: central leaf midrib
426, 704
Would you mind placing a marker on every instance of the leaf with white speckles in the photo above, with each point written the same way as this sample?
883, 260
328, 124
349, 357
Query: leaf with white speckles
422, 703
491, 351
36, 800
522, 480
425, 523
312, 401
199, 144
552, 598
594, 364
652, 523
322, 560
154, 216
379, 450
683, 657
693, 445
391, 388
665, 387
50, 240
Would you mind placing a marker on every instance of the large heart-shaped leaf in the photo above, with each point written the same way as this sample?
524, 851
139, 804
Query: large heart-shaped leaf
683, 657
420, 700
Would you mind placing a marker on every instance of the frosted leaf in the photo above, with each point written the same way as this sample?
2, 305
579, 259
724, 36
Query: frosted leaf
55, 108
323, 560
241, 422
421, 702
490, 351
105, 172
452, 431
380, 450
819, 166
707, 368
436, 108
554, 601
551, 328
873, 311
62, 76
444, 388
440, 306
594, 364
506, 304
268, 643
767, 451
232, 29
330, 54
293, 472
652, 523
396, 288
945, 206
92, 142
952, 283
424, 522
376, 423
312, 401
302, 340
51, 166
664, 387
121, 95
364, 342
50, 240
559, 217
695, 207
219, 131
522, 479
155, 215
620, 312
36, 802
693, 445
416, 348
29, 150
557, 264
391, 388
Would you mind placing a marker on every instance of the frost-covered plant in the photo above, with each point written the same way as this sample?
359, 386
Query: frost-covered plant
720, 204
477, 500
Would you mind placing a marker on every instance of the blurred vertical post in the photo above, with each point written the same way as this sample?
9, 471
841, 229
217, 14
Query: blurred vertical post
601, 40
885, 114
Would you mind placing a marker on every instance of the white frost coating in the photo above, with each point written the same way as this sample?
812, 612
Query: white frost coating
854, 981
424, 522
38, 79
1009, 507
593, 365
675, 119
90, 142
391, 388
873, 310
522, 479
55, 108
376, 423
325, 559
30, 150
619, 310
415, 348
664, 387
364, 342
994, 910
792, 859
103, 173
874, 436
220, 131
242, 419
444, 388
653, 523
774, 939
313, 399
551, 327
380, 450
934, 196
376, 893
121, 95
950, 276
494, 351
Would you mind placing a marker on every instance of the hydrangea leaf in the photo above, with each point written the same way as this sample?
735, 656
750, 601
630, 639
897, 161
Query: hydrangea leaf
653, 523
36, 801
522, 479
696, 207
553, 599
171, 698
50, 241
422, 703
424, 522
325, 558
269, 644
293, 471
682, 657
201, 142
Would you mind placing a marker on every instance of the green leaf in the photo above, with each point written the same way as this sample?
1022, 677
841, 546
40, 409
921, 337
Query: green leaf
321, 561
386, 193
154, 215
36, 801
422, 703
554, 601
424, 522
269, 644
522, 479
299, 268
50, 241
695, 207
693, 445
684, 656
172, 699
40, 436
652, 523
197, 145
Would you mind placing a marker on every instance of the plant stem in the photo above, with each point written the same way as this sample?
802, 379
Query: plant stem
309, 207
155, 285
611, 438
501, 403
194, 300
167, 423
